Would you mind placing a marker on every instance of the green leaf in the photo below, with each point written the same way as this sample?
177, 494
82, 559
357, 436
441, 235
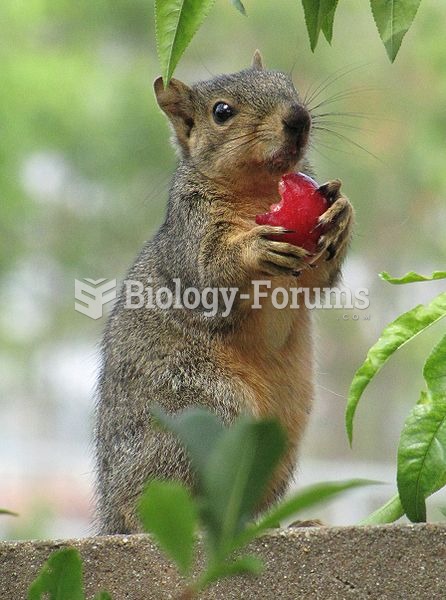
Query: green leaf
176, 23
421, 456
241, 566
387, 513
310, 496
60, 577
245, 564
239, 6
434, 371
319, 14
197, 429
393, 337
412, 277
237, 475
168, 512
422, 447
5, 511
393, 19
328, 20
103, 596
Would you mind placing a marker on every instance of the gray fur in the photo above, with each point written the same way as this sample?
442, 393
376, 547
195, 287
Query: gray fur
166, 356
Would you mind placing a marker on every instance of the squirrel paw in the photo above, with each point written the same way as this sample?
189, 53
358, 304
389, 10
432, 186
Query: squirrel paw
273, 256
307, 523
336, 223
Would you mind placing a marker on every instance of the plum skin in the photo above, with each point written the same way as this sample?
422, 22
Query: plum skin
299, 210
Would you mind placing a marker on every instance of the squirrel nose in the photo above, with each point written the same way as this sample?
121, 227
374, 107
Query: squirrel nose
297, 121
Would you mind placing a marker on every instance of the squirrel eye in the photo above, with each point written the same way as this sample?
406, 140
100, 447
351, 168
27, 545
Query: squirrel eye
222, 112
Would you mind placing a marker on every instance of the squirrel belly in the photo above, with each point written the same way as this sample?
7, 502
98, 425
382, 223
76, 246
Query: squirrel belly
237, 135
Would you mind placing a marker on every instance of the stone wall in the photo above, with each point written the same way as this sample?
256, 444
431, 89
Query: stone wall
386, 562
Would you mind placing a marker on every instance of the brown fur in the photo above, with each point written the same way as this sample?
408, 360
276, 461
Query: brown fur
257, 362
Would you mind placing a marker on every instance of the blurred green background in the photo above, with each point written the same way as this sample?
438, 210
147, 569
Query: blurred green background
85, 165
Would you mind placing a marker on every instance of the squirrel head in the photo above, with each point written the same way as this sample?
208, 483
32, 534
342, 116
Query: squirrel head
241, 126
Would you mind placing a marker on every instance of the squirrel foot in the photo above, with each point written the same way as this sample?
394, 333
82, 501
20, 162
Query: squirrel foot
274, 257
307, 523
336, 223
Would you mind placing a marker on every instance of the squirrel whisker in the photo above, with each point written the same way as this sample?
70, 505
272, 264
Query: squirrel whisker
330, 80
320, 123
347, 139
341, 96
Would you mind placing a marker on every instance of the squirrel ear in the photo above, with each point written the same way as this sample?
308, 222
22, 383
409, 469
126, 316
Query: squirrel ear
176, 101
257, 61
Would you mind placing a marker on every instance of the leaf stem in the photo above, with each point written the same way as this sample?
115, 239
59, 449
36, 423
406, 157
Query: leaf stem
387, 513
188, 593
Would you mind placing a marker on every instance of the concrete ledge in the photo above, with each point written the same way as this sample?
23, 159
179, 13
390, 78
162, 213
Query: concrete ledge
386, 562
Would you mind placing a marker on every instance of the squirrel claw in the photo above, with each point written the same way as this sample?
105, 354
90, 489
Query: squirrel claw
331, 252
267, 230
330, 190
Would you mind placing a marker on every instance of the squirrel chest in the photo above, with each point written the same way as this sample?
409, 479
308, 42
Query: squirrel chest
271, 356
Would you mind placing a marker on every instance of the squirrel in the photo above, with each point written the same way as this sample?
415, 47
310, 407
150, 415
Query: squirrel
236, 136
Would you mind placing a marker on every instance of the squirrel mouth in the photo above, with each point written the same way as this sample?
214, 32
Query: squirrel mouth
286, 157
